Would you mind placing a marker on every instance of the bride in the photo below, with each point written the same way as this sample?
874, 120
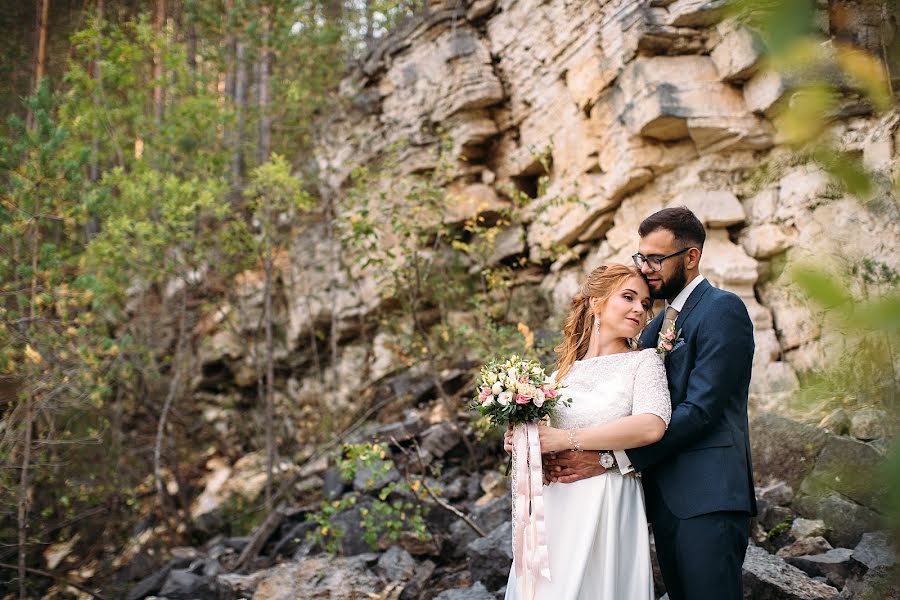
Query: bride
596, 529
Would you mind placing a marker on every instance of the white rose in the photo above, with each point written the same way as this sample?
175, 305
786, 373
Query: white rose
504, 398
496, 388
527, 390
539, 398
512, 373
488, 401
491, 378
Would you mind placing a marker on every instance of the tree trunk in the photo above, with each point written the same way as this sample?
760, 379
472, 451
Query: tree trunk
159, 25
265, 119
240, 109
93, 224
23, 496
230, 51
270, 365
370, 26
40, 62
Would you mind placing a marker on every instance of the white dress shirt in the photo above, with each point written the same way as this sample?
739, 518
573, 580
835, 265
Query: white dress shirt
678, 304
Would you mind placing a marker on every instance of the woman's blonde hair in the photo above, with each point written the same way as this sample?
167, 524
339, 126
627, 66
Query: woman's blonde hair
601, 283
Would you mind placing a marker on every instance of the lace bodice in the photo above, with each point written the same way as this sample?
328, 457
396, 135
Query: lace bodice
606, 388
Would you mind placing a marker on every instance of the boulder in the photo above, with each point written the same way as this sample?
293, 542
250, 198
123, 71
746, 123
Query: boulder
488, 517
805, 546
321, 577
490, 557
807, 528
777, 494
476, 592
668, 98
715, 208
185, 585
846, 520
737, 54
834, 565
766, 576
439, 439
783, 449
764, 92
849, 468
396, 565
875, 549
879, 583
869, 424
419, 581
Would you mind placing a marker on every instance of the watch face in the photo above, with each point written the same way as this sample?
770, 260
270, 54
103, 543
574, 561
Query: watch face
607, 460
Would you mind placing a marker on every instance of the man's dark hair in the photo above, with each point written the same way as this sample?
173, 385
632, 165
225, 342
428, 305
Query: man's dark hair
684, 224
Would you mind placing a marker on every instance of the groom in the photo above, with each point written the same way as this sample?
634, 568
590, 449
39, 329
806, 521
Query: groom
698, 480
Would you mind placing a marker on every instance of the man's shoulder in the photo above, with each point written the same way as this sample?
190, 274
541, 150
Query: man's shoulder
717, 301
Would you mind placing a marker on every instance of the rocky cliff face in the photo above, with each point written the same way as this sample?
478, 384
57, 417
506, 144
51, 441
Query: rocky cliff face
640, 105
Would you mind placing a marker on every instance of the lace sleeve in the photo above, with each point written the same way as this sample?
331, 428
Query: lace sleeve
651, 388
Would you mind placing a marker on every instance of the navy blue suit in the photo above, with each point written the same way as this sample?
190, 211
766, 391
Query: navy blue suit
698, 479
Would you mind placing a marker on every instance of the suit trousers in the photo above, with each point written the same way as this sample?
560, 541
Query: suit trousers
701, 558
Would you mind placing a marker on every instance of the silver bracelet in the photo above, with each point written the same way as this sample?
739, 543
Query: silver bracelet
573, 441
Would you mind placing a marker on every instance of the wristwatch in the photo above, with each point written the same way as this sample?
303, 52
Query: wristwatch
607, 459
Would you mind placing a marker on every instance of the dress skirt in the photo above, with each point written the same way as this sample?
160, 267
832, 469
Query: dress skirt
598, 541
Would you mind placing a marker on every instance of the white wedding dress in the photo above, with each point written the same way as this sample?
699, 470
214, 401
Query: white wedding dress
596, 528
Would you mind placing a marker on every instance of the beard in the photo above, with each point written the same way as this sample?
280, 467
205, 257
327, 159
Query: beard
669, 288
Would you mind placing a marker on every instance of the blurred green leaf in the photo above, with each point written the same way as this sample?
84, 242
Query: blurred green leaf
847, 170
821, 287
780, 23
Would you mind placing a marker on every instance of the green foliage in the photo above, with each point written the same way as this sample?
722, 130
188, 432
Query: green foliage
818, 76
396, 508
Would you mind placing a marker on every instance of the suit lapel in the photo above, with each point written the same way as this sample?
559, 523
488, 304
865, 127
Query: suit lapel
691, 302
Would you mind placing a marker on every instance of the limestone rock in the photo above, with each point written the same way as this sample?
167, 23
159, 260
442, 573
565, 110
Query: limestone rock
869, 424
804, 547
490, 557
767, 576
476, 592
737, 54
715, 208
784, 449
764, 92
396, 564
725, 263
670, 98
765, 241
833, 565
778, 493
875, 549
849, 468
695, 13
246, 478
468, 201
846, 520
322, 577
805, 528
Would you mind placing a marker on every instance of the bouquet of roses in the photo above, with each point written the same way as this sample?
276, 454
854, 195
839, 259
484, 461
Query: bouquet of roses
516, 391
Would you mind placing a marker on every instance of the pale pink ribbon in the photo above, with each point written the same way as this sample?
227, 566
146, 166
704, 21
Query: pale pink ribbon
531, 558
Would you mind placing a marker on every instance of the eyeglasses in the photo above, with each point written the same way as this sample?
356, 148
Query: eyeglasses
655, 262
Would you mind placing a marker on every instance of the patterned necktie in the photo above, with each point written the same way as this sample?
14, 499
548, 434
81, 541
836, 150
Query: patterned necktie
669, 319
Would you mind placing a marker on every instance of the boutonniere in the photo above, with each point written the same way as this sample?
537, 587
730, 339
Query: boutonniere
668, 339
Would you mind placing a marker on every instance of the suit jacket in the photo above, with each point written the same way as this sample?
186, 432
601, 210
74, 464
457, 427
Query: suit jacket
702, 464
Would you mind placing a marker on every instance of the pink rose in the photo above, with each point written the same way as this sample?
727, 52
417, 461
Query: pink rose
667, 346
549, 391
670, 335
485, 392
520, 399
